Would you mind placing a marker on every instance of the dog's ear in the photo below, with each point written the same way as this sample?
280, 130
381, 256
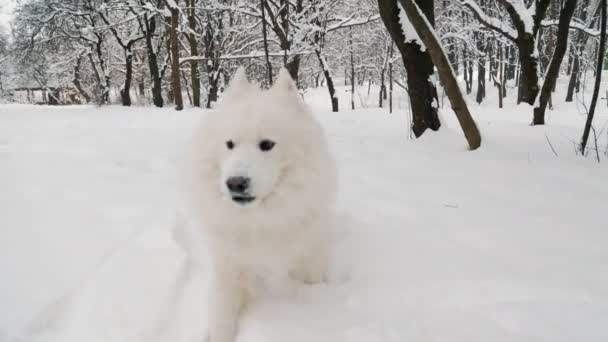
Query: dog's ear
238, 82
285, 83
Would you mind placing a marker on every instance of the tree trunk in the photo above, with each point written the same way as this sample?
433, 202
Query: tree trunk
194, 73
577, 46
293, 67
352, 73
330, 82
213, 90
511, 65
573, 78
501, 79
481, 69
446, 74
561, 46
598, 78
528, 75
419, 67
282, 27
125, 92
468, 74
525, 40
265, 37
104, 97
175, 81
150, 28
382, 93
76, 81
54, 97
390, 85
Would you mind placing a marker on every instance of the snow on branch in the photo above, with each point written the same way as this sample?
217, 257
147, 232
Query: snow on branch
488, 21
256, 54
410, 33
523, 13
573, 26
172, 5
351, 21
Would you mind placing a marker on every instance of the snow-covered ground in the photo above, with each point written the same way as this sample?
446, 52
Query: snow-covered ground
436, 243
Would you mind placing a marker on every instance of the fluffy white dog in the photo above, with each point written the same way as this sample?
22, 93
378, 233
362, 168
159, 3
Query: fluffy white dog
262, 184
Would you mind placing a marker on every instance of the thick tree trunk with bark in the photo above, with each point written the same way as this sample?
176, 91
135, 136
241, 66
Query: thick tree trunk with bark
448, 78
103, 75
149, 26
419, 67
561, 46
528, 78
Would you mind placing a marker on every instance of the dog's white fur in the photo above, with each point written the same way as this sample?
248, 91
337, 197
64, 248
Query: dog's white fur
283, 234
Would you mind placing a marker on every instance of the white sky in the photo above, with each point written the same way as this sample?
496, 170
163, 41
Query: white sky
6, 7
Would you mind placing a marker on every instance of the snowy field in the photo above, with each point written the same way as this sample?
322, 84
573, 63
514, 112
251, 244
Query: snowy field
436, 243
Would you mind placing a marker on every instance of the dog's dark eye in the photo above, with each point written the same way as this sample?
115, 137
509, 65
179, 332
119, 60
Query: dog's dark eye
230, 144
266, 145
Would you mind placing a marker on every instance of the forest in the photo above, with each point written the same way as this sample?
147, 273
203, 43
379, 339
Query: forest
174, 52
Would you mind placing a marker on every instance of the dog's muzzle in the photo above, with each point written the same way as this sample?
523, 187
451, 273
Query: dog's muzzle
239, 187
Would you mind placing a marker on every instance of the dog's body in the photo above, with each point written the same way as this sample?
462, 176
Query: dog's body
262, 184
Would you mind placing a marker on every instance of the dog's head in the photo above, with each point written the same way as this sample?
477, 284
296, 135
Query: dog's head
261, 147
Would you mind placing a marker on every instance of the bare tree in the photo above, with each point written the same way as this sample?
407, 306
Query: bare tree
419, 66
148, 25
565, 17
175, 72
527, 22
126, 42
598, 77
265, 38
446, 73
194, 73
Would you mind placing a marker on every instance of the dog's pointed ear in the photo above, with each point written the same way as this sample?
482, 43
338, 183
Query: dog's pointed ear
285, 83
238, 82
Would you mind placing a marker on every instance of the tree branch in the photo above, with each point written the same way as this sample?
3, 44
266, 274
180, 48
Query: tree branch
489, 22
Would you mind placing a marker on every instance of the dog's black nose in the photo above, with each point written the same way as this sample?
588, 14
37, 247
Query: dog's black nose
237, 184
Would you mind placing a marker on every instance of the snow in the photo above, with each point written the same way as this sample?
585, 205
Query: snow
435, 243
408, 29
171, 4
436, 38
524, 13
6, 9
576, 25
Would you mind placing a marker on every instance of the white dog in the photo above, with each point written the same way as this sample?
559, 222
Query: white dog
262, 184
